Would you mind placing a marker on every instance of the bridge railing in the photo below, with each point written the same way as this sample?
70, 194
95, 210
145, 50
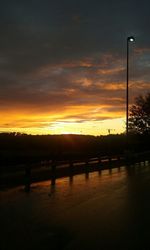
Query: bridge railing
53, 168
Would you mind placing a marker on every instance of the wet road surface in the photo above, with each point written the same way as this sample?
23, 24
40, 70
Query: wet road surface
100, 210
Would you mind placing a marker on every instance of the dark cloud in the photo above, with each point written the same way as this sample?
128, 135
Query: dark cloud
63, 53
35, 33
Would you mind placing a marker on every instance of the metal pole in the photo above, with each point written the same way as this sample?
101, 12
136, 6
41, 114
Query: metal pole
127, 87
129, 39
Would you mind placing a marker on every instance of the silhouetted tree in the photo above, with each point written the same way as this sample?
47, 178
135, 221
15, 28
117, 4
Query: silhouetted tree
139, 119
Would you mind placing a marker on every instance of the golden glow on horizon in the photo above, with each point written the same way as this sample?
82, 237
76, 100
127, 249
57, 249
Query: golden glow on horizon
101, 111
80, 119
77, 94
88, 127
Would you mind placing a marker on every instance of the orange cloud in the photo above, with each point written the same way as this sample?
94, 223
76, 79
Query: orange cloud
140, 51
67, 94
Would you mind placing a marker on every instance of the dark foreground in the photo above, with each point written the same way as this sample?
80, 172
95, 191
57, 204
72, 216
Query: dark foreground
109, 209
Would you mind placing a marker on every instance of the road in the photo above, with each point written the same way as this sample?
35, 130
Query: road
100, 210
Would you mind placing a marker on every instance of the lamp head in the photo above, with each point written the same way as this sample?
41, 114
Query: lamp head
131, 39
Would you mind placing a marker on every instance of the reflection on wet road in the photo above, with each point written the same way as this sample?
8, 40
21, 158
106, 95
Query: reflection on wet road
100, 210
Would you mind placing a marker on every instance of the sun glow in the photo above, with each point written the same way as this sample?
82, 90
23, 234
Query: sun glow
87, 127
91, 127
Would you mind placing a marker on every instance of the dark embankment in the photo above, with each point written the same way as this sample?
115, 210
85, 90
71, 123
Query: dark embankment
42, 155
17, 149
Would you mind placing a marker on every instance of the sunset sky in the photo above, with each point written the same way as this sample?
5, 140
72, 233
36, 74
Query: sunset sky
63, 64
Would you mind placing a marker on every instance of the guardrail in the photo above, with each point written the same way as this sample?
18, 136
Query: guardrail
53, 169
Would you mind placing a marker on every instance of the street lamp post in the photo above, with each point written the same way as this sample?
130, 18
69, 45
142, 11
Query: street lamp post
129, 40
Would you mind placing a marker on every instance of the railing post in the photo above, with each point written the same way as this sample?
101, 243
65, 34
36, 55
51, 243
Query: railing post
71, 168
53, 175
27, 177
99, 160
